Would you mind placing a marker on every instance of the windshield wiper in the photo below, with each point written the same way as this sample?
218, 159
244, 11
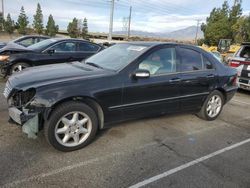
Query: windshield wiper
94, 65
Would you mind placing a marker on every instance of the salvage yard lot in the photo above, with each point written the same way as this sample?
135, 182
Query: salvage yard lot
134, 151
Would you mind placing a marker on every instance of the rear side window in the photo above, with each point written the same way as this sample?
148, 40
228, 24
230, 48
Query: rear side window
190, 60
244, 52
87, 47
207, 63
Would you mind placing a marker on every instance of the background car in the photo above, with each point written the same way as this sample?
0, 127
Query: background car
244, 77
25, 41
18, 46
49, 51
72, 101
242, 56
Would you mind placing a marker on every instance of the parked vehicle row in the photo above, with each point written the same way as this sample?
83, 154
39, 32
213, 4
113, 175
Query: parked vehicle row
72, 101
48, 51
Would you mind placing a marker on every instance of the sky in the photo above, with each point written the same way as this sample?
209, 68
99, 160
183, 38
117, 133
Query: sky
147, 15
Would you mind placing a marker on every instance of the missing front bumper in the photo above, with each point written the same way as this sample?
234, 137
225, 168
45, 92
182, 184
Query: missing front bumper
29, 122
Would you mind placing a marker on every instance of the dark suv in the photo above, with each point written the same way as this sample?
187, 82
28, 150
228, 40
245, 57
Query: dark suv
241, 61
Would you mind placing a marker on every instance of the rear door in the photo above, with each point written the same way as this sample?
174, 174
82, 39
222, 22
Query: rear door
198, 77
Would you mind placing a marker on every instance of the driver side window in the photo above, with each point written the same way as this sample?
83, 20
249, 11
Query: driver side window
65, 47
161, 61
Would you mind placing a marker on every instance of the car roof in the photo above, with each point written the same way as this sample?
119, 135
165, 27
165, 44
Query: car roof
152, 44
69, 39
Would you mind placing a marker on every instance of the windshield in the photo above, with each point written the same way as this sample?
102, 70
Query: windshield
41, 45
117, 56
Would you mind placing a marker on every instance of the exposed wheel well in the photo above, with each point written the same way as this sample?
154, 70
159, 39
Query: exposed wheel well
87, 100
223, 93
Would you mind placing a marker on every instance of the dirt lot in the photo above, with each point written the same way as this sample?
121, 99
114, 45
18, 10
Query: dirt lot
135, 151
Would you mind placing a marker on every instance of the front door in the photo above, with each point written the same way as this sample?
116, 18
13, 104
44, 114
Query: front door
63, 52
157, 94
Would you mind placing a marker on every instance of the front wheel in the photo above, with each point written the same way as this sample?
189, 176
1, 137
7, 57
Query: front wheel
212, 107
71, 126
18, 67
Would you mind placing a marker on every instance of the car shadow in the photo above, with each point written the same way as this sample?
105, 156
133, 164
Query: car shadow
244, 91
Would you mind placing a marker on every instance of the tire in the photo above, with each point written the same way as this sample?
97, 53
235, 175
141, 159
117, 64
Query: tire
209, 106
64, 126
18, 67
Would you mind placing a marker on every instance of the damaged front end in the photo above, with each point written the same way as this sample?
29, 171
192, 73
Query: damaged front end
22, 112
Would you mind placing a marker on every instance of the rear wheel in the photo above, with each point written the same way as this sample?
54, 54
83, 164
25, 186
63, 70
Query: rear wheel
212, 107
71, 126
18, 67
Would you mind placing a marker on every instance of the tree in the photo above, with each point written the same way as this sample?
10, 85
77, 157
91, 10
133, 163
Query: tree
51, 28
234, 14
1, 22
73, 28
9, 25
85, 29
241, 30
22, 22
217, 25
38, 20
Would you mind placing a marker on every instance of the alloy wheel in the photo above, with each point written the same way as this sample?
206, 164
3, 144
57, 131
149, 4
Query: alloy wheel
214, 106
73, 129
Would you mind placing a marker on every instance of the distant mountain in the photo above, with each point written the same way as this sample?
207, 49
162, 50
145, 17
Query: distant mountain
182, 34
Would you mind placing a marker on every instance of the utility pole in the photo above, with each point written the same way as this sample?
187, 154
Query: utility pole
197, 29
111, 20
129, 21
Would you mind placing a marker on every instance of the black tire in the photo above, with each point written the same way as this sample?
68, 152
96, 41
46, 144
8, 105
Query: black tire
14, 67
203, 114
59, 112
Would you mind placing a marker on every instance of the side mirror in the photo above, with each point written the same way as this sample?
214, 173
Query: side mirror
51, 51
141, 73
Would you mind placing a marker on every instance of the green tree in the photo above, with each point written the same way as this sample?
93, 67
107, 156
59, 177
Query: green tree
22, 22
51, 28
234, 14
9, 25
217, 25
38, 20
241, 30
73, 28
85, 29
1, 22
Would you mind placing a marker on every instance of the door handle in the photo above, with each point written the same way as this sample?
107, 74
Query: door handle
210, 76
174, 80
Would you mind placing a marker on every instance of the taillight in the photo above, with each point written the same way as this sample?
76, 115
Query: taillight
235, 63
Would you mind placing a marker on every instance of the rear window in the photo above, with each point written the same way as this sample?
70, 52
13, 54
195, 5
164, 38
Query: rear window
87, 47
191, 60
244, 52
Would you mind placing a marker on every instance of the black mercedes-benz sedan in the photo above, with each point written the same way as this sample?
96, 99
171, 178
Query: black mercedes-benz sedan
72, 101
49, 51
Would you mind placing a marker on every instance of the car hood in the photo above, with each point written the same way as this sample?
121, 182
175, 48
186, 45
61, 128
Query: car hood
50, 74
11, 46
